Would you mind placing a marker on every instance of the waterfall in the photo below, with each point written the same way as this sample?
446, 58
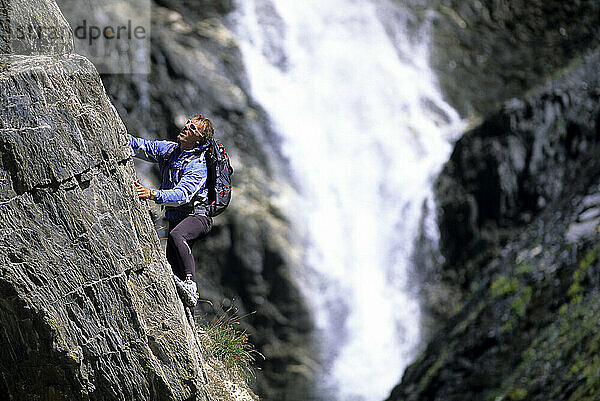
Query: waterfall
348, 87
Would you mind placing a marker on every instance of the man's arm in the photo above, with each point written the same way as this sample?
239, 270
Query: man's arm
151, 151
143, 192
192, 181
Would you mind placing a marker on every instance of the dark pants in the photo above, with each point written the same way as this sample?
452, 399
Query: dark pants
182, 235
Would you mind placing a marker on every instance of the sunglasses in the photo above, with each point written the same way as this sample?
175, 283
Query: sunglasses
190, 125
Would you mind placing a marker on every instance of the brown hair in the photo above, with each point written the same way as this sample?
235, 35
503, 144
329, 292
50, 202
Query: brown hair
207, 132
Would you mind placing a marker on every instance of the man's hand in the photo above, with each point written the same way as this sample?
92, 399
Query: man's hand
143, 192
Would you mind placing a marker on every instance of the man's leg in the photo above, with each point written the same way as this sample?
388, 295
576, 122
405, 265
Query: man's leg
182, 237
172, 254
178, 271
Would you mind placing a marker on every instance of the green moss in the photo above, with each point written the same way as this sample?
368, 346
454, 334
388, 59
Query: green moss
589, 388
563, 309
459, 329
504, 286
572, 341
577, 366
436, 366
576, 299
433, 370
524, 268
520, 303
575, 291
518, 394
509, 324
589, 258
494, 396
591, 372
572, 66
594, 344
147, 253
556, 75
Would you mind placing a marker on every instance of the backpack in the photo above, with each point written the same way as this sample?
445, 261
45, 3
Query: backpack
219, 178
219, 172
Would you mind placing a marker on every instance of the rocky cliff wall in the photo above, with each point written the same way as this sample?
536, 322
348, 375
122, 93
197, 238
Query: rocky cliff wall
515, 164
519, 217
87, 305
252, 251
487, 51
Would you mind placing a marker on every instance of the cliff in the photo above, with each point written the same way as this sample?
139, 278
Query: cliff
485, 52
252, 251
519, 215
87, 305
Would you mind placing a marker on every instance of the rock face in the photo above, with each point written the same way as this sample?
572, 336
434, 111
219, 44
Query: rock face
519, 217
488, 51
516, 163
251, 252
87, 306
34, 27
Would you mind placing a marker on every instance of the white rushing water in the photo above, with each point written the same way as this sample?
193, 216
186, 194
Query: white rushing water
366, 131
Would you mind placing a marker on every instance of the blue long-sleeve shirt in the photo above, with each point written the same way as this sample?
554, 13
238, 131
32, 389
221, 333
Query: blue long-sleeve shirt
181, 196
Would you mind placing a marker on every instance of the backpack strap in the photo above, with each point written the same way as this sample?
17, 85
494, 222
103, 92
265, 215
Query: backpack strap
185, 162
165, 161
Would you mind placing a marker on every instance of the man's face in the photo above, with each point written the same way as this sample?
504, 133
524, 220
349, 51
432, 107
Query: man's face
189, 134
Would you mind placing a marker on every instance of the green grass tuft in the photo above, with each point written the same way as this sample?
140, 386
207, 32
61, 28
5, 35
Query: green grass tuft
231, 345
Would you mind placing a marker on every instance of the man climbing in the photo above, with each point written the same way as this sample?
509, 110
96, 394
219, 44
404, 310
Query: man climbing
184, 193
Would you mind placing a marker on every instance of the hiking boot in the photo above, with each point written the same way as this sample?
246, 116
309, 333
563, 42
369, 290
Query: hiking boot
187, 290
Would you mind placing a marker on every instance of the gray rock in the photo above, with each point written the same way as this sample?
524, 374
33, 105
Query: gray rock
87, 305
486, 52
33, 27
582, 230
589, 214
252, 251
529, 150
525, 273
591, 200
